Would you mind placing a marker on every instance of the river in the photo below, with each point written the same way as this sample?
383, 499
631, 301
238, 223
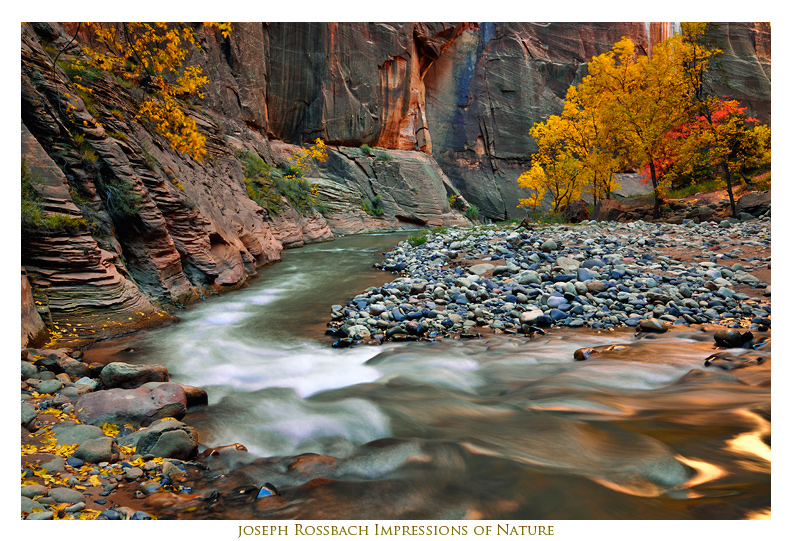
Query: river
499, 427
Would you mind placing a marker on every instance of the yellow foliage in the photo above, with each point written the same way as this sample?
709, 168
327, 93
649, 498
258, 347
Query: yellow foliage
302, 158
110, 429
556, 166
153, 54
127, 450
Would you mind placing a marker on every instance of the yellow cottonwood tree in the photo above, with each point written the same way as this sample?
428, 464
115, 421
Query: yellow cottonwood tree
555, 166
599, 149
642, 97
577, 153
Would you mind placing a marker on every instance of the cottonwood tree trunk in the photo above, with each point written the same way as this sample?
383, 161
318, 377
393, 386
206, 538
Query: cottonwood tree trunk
656, 195
728, 178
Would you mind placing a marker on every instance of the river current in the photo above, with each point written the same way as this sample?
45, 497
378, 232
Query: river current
498, 427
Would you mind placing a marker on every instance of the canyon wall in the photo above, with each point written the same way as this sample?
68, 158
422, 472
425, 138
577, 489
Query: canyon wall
465, 93
193, 230
448, 107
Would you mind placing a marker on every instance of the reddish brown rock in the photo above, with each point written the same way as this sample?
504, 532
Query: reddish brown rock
33, 328
130, 376
195, 395
575, 212
754, 203
607, 210
313, 465
137, 407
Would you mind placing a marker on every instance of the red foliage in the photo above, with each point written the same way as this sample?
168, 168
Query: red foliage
674, 138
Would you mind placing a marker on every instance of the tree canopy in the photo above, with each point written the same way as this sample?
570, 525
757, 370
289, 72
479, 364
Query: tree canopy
654, 113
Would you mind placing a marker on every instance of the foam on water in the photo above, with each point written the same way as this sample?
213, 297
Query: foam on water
224, 318
281, 423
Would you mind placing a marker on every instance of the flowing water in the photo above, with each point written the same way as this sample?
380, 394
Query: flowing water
500, 427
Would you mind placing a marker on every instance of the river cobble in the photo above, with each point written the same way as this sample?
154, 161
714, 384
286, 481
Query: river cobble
602, 275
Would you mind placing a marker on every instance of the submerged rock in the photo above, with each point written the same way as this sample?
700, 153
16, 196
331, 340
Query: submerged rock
732, 338
652, 325
583, 354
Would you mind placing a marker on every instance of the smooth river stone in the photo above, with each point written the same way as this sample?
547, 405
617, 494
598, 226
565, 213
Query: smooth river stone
481, 268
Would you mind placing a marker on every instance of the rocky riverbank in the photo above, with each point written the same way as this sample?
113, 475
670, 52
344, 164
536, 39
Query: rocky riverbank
603, 275
96, 439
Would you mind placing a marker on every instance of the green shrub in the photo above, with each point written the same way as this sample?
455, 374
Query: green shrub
87, 100
80, 73
34, 218
290, 169
695, 188
253, 166
297, 191
382, 156
373, 207
266, 185
472, 212
419, 238
366, 149
63, 223
264, 194
120, 198
546, 217
259, 181
89, 157
121, 136
150, 161
322, 208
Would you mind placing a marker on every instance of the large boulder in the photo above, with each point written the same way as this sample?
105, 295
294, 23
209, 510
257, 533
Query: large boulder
607, 210
575, 212
753, 203
195, 395
167, 438
138, 407
103, 449
130, 376
69, 433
